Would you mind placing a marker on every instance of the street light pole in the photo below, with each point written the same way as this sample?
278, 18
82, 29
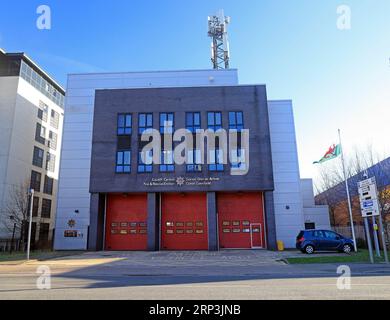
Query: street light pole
12, 218
31, 192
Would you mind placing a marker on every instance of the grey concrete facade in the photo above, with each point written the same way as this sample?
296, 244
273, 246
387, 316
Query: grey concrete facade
251, 100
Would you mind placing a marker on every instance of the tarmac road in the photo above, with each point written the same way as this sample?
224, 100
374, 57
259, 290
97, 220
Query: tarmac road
196, 276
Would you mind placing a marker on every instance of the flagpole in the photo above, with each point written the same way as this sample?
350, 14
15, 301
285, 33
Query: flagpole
348, 195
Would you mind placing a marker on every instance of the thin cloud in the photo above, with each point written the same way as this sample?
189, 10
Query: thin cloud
71, 65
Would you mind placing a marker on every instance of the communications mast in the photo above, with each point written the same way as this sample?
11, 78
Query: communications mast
220, 54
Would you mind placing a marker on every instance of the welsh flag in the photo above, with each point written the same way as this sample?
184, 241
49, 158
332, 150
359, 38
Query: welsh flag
333, 152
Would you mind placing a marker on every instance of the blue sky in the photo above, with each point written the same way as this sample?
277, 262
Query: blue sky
336, 79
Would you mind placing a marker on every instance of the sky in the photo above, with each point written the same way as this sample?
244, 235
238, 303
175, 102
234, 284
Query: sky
337, 79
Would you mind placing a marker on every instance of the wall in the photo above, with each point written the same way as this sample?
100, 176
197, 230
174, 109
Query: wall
287, 195
313, 213
8, 87
77, 140
251, 100
21, 126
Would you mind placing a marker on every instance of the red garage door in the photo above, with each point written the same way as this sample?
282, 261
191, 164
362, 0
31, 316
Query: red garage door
126, 222
240, 220
184, 221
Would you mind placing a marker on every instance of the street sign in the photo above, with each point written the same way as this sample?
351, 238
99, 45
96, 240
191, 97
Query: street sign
368, 195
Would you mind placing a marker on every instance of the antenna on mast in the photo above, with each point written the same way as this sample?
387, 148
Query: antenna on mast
220, 53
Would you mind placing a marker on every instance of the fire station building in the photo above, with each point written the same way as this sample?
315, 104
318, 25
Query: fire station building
110, 198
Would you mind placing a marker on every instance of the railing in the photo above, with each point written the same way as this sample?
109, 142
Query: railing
347, 232
5, 245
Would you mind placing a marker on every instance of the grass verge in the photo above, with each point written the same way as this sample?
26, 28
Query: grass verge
35, 255
361, 256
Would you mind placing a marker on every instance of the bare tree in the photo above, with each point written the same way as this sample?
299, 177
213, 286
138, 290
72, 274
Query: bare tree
331, 177
16, 211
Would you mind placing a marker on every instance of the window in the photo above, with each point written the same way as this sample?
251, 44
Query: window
236, 120
50, 162
44, 231
167, 161
46, 208
166, 128
318, 234
54, 119
145, 121
48, 185
43, 111
166, 123
38, 157
194, 157
52, 142
214, 120
35, 183
310, 226
216, 160
123, 162
238, 159
194, 161
124, 124
40, 133
193, 121
35, 207
145, 162
330, 235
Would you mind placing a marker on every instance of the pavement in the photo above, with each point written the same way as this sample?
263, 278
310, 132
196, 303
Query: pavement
190, 275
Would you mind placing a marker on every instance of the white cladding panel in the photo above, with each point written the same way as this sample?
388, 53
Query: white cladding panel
287, 196
77, 138
313, 213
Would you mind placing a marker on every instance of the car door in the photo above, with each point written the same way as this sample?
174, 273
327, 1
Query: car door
332, 240
318, 239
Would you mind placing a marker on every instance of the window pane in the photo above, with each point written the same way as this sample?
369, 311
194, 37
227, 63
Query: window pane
120, 158
240, 118
128, 120
150, 120
232, 118
127, 158
163, 118
197, 119
218, 118
121, 121
142, 120
190, 119
210, 118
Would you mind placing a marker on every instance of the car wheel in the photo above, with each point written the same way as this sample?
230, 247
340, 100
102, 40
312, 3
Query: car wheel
309, 249
347, 248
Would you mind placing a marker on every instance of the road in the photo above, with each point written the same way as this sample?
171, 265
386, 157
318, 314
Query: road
229, 275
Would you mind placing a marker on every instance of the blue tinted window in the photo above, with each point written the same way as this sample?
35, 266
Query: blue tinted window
145, 121
123, 162
236, 120
193, 121
214, 120
124, 124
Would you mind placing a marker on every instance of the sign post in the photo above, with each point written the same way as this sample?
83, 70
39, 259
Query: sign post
368, 194
383, 239
368, 239
376, 240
